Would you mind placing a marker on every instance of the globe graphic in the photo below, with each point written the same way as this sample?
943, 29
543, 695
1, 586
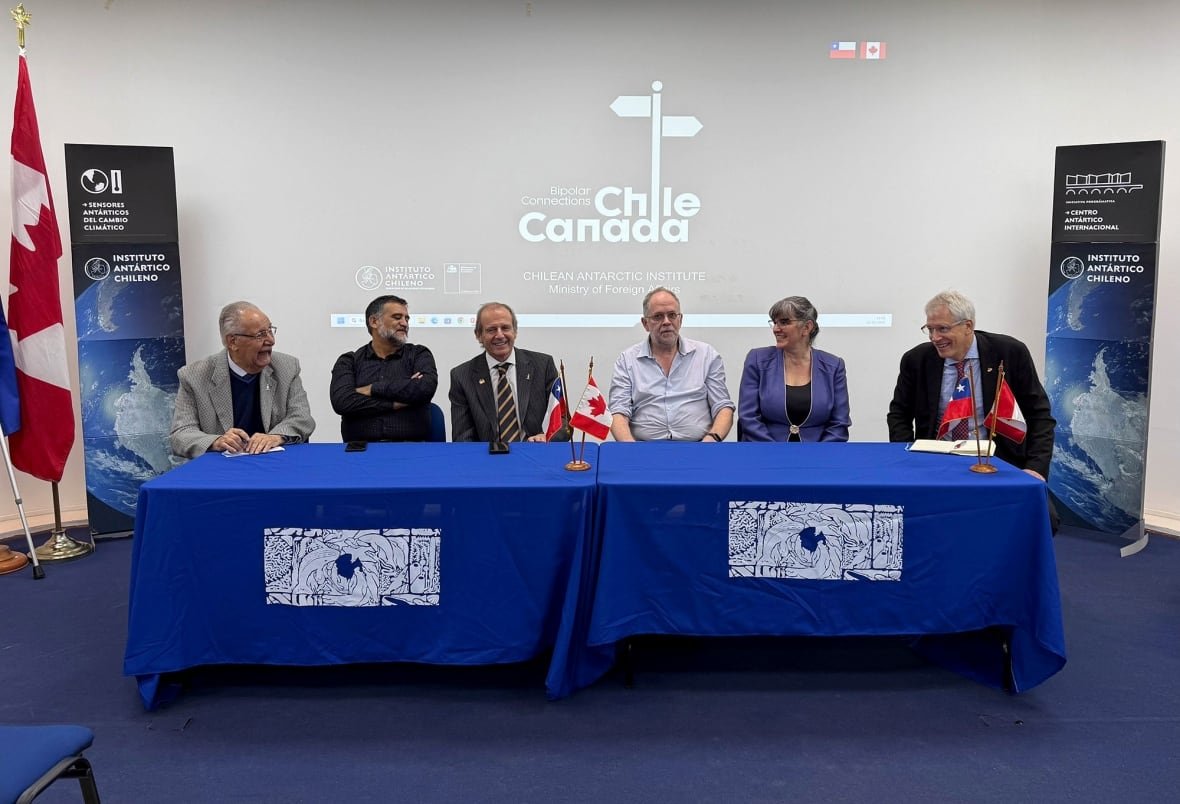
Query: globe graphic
109, 309
1097, 358
128, 386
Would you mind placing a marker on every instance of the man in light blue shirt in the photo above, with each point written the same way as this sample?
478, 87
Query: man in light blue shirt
667, 387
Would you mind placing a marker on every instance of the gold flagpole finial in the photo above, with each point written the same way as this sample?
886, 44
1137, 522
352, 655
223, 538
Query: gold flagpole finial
22, 19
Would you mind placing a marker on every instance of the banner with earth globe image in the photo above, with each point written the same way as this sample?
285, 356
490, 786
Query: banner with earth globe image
1098, 362
130, 319
128, 392
130, 323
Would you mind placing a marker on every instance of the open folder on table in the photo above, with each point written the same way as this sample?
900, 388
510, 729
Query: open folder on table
967, 447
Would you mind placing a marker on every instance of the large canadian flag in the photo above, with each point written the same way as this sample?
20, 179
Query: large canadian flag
46, 434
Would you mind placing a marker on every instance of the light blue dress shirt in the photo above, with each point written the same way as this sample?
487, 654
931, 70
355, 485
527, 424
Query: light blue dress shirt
681, 405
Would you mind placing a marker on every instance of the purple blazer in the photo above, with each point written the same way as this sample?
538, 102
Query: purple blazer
762, 400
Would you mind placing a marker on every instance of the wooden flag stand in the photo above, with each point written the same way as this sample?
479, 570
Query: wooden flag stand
982, 465
578, 464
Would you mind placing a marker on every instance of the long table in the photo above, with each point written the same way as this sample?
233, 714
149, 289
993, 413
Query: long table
434, 553
441, 553
815, 539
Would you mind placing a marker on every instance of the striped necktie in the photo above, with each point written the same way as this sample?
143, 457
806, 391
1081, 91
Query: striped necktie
961, 428
506, 406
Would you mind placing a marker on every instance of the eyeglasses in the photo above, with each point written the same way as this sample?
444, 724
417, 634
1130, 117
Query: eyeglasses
781, 322
930, 331
261, 335
659, 317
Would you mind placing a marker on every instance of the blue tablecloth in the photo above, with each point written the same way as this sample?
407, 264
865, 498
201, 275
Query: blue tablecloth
813, 539
436, 553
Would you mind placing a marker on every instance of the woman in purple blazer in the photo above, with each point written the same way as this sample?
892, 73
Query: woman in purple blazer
791, 391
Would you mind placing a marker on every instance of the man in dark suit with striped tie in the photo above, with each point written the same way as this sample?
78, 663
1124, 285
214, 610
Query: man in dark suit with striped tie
500, 394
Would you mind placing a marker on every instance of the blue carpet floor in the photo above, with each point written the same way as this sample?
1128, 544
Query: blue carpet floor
708, 720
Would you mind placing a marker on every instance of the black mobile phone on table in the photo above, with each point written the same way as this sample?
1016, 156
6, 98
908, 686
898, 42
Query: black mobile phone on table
356, 446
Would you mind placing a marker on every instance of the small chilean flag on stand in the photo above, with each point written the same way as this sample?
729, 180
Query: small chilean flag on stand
958, 411
842, 50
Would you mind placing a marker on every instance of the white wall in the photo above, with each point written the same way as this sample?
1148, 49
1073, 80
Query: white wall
312, 139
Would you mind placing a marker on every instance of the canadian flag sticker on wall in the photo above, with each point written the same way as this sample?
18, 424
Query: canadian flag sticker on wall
872, 50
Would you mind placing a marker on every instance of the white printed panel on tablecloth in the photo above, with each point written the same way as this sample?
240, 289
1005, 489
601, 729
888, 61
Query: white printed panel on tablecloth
836, 541
369, 567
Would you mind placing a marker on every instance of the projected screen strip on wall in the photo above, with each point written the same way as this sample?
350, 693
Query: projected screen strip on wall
621, 320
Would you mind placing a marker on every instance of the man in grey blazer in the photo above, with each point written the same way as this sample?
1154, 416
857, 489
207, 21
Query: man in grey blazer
476, 414
245, 398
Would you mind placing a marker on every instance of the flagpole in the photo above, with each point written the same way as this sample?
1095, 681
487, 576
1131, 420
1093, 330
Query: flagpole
979, 465
994, 415
16, 561
589, 377
59, 546
565, 409
578, 464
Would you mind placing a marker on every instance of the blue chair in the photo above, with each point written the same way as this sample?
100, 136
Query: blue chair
438, 424
34, 757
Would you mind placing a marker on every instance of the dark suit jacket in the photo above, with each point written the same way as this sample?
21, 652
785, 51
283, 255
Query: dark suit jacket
914, 409
473, 396
762, 403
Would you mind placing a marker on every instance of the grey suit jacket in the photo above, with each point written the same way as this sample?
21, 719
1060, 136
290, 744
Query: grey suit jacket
473, 396
205, 405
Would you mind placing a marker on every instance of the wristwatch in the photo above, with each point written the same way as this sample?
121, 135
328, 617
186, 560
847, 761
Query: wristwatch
714, 436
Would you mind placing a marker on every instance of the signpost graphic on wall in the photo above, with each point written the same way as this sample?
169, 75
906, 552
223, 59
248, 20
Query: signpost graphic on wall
1102, 289
127, 300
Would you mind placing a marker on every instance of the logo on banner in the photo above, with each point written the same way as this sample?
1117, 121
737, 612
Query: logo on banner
1100, 184
97, 268
368, 277
624, 214
395, 277
1072, 267
95, 181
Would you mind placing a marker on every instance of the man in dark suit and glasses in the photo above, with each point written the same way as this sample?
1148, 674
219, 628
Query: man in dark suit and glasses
954, 349
500, 394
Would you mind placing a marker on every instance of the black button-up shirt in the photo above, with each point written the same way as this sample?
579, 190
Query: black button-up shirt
375, 417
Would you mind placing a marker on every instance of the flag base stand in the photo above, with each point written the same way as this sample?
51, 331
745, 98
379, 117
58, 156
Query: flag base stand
60, 547
11, 561
577, 466
984, 468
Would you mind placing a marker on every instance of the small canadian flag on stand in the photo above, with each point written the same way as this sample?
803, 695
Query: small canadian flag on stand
592, 417
1006, 419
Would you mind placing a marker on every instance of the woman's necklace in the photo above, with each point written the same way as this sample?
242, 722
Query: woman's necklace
810, 399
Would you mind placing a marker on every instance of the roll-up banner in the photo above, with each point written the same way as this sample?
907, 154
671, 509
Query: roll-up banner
127, 301
1102, 286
